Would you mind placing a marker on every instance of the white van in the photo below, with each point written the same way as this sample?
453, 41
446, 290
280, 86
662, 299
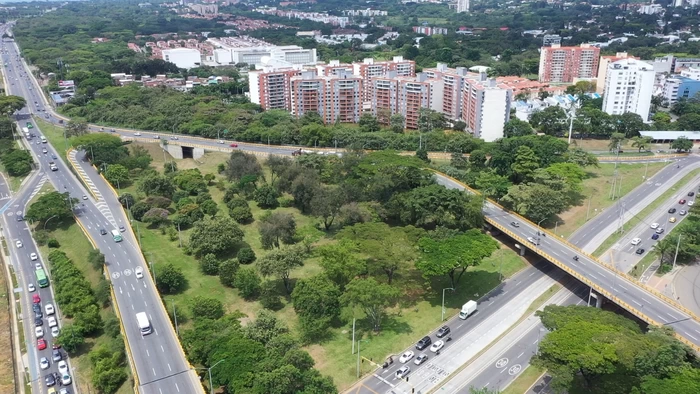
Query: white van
144, 324
43, 139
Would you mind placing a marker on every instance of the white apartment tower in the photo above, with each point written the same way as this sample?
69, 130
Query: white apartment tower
629, 84
462, 6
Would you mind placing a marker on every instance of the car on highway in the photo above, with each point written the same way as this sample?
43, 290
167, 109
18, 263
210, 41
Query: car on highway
437, 346
691, 203
654, 225
531, 240
44, 363
41, 344
660, 230
681, 201
515, 224
406, 357
221, 141
444, 330
44, 151
18, 243
420, 359
38, 322
66, 380
672, 219
50, 310
39, 332
682, 212
691, 194
31, 288
62, 367
234, 145
137, 134
64, 391
85, 197
37, 266
672, 210
50, 380
36, 299
423, 343
139, 272
56, 355
402, 372
103, 231
636, 241
33, 256
52, 321
174, 137
655, 236
122, 229
639, 251
55, 332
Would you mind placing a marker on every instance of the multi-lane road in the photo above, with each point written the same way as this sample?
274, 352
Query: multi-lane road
160, 363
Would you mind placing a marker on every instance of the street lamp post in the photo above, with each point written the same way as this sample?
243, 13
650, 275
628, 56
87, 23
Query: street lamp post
47, 221
358, 355
443, 301
676, 255
211, 385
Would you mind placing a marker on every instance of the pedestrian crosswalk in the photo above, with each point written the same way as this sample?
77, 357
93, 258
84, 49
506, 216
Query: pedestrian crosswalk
100, 204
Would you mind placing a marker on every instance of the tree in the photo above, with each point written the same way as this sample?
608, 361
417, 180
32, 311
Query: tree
308, 235
156, 216
266, 196
685, 381
525, 163
157, 185
170, 279
629, 124
280, 263
239, 210
304, 188
580, 157
117, 174
50, 205
191, 181
423, 155
397, 122
429, 120
551, 120
452, 256
10, 104
17, 162
71, 337
517, 128
276, 228
206, 307
265, 327
246, 255
127, 200
247, 282
435, 205
316, 299
101, 148
209, 264
215, 235
665, 248
368, 123
492, 184
227, 272
96, 259
689, 121
371, 297
209, 207
641, 142
341, 263
241, 164
536, 201
616, 142
326, 204
76, 128
682, 144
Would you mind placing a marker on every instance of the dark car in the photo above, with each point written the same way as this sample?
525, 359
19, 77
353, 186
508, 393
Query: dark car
56, 355
655, 236
36, 308
424, 343
672, 210
640, 251
20, 218
38, 322
691, 194
38, 315
515, 224
103, 231
50, 380
444, 330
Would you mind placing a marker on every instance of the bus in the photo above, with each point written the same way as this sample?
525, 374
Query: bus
25, 131
116, 235
41, 278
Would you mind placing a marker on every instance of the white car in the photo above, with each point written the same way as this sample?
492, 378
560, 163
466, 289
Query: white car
33, 256
437, 345
420, 359
691, 203
139, 272
55, 332
39, 332
654, 225
531, 240
137, 134
63, 367
66, 380
402, 372
49, 309
18, 243
31, 287
636, 241
38, 266
52, 321
44, 363
406, 357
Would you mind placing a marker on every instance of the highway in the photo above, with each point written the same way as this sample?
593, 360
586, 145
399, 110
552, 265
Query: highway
160, 363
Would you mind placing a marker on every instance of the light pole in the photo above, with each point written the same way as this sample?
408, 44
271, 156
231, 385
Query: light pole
47, 221
358, 355
211, 385
177, 329
539, 230
676, 255
443, 301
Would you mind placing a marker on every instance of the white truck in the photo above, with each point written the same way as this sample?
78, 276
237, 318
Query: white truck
144, 324
467, 309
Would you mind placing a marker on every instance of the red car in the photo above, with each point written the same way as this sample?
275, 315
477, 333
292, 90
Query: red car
681, 202
234, 145
36, 299
41, 344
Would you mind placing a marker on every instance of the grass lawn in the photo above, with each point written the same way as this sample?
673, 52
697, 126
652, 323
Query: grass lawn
524, 381
643, 264
634, 221
7, 374
54, 135
597, 188
602, 145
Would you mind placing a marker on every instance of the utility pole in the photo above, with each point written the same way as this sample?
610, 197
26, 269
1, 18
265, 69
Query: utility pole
676, 256
443, 302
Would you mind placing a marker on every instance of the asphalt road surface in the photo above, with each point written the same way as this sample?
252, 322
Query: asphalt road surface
159, 361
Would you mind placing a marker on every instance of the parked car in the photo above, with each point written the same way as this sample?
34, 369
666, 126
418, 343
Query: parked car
50, 380
437, 346
44, 363
406, 357
423, 343
420, 359
681, 201
50, 310
402, 372
36, 299
41, 344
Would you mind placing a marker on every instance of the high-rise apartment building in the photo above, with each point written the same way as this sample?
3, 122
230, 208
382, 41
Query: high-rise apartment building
629, 84
336, 98
603, 68
369, 68
462, 6
566, 64
453, 80
485, 107
270, 87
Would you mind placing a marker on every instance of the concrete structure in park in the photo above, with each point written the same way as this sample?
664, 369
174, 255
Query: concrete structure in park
603, 68
256, 52
462, 6
183, 57
568, 64
629, 84
670, 136
685, 86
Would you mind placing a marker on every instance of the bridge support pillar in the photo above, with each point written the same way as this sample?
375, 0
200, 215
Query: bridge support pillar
522, 251
174, 150
197, 153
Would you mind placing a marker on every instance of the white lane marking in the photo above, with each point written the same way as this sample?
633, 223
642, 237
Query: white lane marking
154, 372
623, 287
520, 355
636, 302
177, 387
593, 276
646, 301
161, 348
161, 391
129, 294
147, 353
672, 317
695, 339
171, 370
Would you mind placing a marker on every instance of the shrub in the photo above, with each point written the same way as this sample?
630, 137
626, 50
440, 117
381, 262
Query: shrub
53, 243
246, 255
247, 282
